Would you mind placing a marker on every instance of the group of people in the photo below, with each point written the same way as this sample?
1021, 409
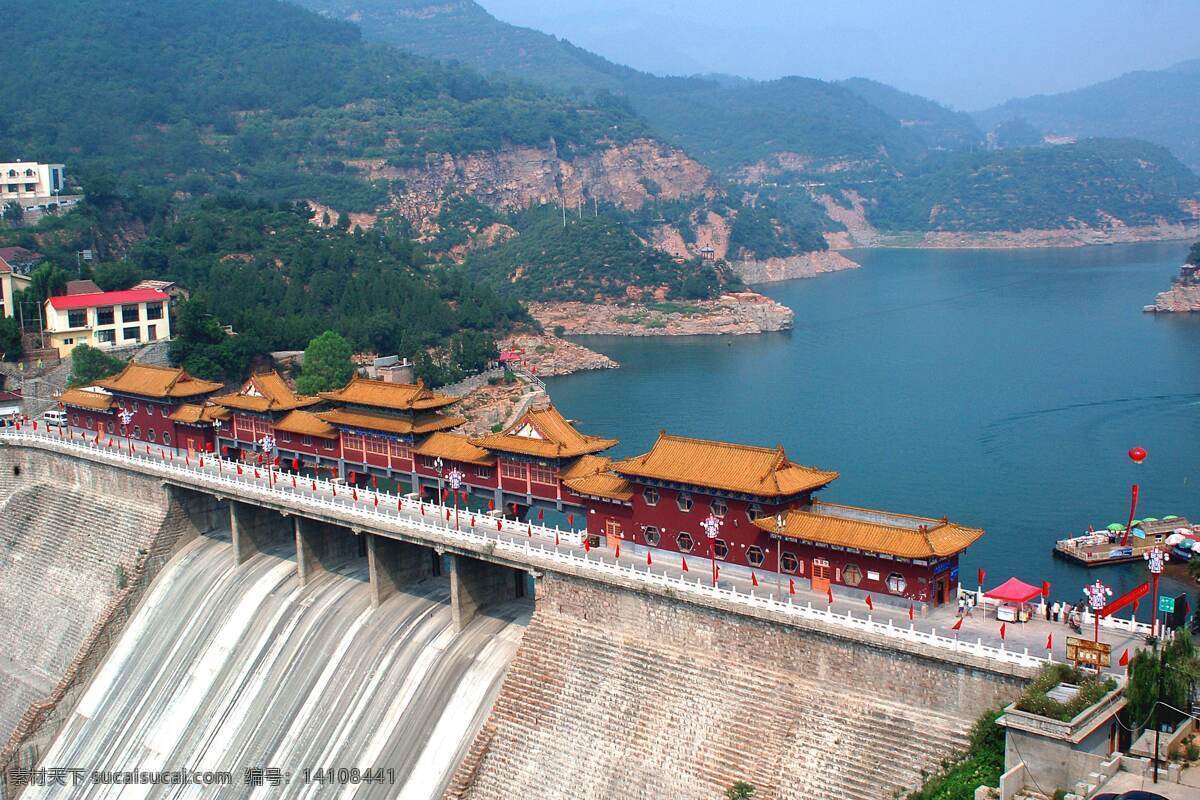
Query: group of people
1072, 615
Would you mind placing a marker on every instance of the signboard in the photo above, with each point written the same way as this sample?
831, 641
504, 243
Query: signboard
1120, 552
1166, 605
1085, 652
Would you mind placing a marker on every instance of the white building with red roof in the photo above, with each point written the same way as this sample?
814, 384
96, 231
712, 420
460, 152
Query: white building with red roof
107, 319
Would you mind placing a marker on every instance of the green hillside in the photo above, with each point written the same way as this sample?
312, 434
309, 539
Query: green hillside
276, 109
588, 258
936, 125
1036, 187
1156, 105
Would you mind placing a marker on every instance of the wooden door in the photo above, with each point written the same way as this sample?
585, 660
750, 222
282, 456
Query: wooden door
820, 575
612, 533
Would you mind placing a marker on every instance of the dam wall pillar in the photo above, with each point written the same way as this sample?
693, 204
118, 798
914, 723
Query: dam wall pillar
206, 513
255, 529
476, 584
320, 544
392, 565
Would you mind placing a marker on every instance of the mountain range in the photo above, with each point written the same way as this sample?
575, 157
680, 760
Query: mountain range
439, 121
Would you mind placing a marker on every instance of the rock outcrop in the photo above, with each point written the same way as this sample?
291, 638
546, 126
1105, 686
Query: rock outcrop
732, 313
1180, 298
806, 265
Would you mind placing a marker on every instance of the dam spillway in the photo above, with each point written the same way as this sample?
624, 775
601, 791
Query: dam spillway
228, 668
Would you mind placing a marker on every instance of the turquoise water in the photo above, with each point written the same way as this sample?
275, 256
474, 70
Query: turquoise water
1002, 389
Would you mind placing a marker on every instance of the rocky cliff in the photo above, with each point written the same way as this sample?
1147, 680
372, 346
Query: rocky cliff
1180, 298
518, 177
731, 313
806, 265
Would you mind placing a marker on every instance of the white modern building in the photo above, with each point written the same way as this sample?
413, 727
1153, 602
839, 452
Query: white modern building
30, 183
107, 319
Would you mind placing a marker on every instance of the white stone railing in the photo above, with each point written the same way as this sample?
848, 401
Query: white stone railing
510, 539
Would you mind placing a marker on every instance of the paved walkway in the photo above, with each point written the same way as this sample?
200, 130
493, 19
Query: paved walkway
981, 626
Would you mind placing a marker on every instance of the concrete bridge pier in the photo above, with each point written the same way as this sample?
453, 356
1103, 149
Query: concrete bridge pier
393, 564
255, 529
320, 544
476, 584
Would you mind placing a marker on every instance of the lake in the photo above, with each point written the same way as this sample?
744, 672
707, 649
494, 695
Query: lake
1000, 388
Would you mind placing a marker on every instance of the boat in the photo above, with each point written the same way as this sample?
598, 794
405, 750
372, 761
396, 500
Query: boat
1100, 548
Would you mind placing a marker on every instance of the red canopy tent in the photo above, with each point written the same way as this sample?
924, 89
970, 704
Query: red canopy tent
1014, 590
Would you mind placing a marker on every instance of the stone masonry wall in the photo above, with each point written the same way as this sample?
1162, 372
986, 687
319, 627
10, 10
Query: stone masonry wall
77, 541
620, 694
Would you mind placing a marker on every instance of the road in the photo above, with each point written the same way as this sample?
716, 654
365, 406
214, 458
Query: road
228, 668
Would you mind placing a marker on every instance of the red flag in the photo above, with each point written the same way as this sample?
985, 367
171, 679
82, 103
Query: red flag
499, 526
239, 469
352, 477
295, 465
618, 549
447, 513
528, 527
1124, 662
1002, 631
333, 472
293, 481
354, 492
1050, 641
400, 507
982, 575
570, 519
376, 499
256, 473
445, 494
648, 560
791, 586
314, 485
277, 461
333, 489
829, 594
1045, 588
541, 514
870, 605
422, 507
514, 508
555, 536
587, 546
491, 505
684, 560
753, 579
374, 482
472, 520
958, 625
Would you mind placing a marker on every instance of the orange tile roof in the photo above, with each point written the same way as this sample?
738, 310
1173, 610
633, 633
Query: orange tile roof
455, 447
267, 391
82, 398
544, 433
401, 425
601, 484
195, 414
897, 535
147, 380
584, 466
393, 396
306, 423
760, 471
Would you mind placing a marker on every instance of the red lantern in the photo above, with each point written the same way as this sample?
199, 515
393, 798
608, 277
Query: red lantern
1137, 454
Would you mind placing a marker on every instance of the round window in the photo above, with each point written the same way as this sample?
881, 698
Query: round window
851, 575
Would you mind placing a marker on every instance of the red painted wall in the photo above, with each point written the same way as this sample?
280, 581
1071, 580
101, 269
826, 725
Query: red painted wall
150, 421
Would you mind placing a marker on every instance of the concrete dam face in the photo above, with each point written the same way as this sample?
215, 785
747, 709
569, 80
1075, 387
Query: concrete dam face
228, 667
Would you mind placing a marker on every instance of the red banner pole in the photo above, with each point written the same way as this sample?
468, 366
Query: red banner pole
1132, 511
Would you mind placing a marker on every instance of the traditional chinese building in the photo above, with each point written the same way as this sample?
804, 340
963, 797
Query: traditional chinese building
442, 452
380, 423
151, 395
89, 407
662, 497
876, 552
536, 453
266, 406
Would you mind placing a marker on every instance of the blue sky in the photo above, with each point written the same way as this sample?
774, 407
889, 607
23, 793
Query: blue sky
968, 55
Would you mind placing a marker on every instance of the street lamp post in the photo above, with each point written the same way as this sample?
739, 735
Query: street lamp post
455, 477
1155, 558
712, 526
438, 465
779, 554
126, 417
1098, 595
267, 443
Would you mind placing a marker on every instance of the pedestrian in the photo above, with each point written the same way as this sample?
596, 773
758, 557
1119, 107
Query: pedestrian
1055, 611
961, 602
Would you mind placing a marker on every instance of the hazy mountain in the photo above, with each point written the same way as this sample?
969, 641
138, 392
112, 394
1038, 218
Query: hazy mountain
1157, 105
937, 125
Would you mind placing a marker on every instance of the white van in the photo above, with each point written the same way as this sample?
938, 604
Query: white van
55, 419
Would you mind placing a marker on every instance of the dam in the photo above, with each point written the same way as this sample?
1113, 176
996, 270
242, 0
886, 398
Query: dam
268, 628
